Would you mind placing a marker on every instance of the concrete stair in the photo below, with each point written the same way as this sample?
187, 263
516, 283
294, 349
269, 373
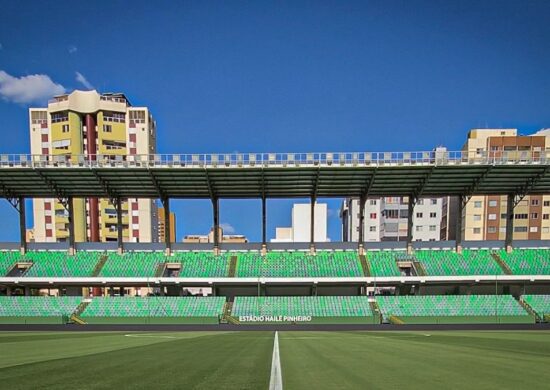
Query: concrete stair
505, 268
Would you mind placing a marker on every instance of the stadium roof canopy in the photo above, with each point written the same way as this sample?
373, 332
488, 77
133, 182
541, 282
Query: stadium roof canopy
276, 175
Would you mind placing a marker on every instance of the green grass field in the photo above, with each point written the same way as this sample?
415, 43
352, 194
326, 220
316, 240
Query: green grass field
242, 360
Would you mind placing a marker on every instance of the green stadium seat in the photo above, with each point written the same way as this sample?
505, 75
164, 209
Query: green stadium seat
201, 264
132, 264
449, 306
60, 264
8, 260
539, 303
450, 263
315, 306
154, 307
527, 261
384, 263
299, 264
24, 306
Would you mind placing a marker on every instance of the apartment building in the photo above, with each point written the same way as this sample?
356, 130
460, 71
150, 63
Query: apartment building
100, 126
300, 231
386, 219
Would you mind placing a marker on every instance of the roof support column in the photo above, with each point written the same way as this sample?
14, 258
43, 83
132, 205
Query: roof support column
22, 226
312, 226
458, 233
118, 206
167, 238
362, 201
410, 223
216, 210
508, 243
70, 209
264, 227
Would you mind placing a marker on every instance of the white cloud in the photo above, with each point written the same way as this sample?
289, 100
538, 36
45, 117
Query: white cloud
34, 88
227, 228
72, 49
82, 80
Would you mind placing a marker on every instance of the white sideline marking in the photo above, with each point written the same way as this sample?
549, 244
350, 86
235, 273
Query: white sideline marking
151, 335
276, 380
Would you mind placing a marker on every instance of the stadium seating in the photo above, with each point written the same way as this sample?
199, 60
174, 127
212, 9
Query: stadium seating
450, 263
59, 264
23, 306
7, 261
124, 309
383, 263
316, 306
132, 264
539, 303
527, 261
299, 264
435, 308
201, 264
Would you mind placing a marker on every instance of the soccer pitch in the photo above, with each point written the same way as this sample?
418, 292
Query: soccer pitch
242, 360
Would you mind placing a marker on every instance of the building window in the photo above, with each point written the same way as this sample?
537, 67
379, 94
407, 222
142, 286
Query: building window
546, 229
477, 204
65, 128
107, 128
492, 203
545, 216
118, 117
433, 215
546, 203
419, 215
44, 137
521, 216
477, 230
420, 202
372, 228
433, 228
477, 217
372, 215
372, 202
60, 117
39, 117
533, 229
492, 217
491, 229
520, 229
503, 216
534, 202
534, 215
419, 228
391, 214
434, 202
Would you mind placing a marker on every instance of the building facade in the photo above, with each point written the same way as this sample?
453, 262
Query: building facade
386, 219
300, 231
162, 227
485, 216
100, 126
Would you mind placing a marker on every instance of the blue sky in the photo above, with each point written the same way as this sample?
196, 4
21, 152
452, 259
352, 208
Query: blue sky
289, 76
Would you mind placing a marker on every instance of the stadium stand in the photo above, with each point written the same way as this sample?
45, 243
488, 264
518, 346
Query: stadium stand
450, 263
132, 264
527, 261
383, 263
59, 264
299, 264
37, 310
321, 309
8, 260
452, 309
153, 310
540, 305
201, 264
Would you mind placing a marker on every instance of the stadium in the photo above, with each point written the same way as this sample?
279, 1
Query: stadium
315, 287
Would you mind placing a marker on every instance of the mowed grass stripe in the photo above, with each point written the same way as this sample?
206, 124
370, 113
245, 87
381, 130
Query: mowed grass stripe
412, 360
229, 361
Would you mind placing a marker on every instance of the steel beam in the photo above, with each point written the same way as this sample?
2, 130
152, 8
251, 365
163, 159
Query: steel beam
119, 228
22, 226
167, 238
70, 209
509, 222
410, 223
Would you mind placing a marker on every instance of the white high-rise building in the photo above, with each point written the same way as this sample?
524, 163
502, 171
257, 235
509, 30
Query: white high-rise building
300, 230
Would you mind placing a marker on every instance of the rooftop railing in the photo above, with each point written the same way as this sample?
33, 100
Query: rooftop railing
238, 160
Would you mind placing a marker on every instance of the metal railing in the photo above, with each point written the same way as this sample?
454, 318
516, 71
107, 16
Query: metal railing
220, 160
